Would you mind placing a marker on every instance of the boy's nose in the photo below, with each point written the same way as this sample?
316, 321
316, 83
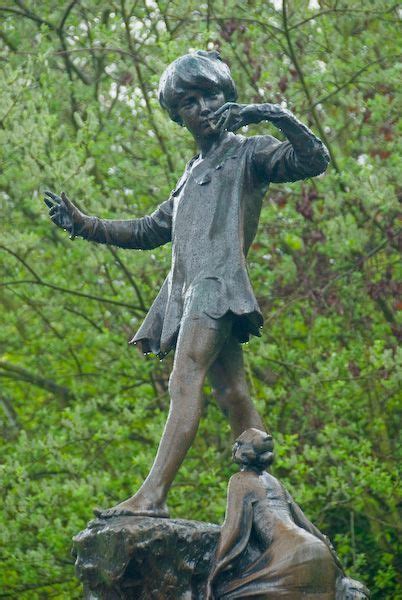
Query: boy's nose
204, 108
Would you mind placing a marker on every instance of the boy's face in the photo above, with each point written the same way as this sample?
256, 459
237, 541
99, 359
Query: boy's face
196, 109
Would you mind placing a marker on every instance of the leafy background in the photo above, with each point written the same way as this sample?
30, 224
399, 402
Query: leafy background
80, 412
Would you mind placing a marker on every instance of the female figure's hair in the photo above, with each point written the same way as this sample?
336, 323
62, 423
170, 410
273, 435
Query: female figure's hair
254, 448
202, 70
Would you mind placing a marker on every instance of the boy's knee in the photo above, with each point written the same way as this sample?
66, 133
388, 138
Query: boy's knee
232, 395
175, 384
182, 383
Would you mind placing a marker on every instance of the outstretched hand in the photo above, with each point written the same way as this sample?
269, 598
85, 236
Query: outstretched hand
232, 116
62, 211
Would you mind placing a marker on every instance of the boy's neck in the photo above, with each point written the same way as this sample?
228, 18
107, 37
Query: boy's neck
207, 144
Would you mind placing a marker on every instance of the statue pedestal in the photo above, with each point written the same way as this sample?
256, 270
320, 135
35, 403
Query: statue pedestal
144, 558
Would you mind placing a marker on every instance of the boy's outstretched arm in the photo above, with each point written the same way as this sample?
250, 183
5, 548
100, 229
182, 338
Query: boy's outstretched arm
144, 233
303, 155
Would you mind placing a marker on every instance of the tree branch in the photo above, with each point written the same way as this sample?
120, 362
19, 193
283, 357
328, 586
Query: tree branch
351, 80
130, 278
20, 374
66, 13
39, 281
28, 15
144, 90
306, 90
73, 293
10, 412
22, 261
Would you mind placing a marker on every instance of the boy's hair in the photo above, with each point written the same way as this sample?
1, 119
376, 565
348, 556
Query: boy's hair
202, 70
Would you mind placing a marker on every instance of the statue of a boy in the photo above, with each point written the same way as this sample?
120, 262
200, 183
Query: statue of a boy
206, 307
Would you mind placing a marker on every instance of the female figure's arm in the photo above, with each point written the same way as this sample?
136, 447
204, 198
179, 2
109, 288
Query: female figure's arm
236, 528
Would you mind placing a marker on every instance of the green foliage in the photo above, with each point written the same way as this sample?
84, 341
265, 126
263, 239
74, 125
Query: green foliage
81, 413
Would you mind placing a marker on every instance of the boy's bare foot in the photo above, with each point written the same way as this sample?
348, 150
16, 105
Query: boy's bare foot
134, 506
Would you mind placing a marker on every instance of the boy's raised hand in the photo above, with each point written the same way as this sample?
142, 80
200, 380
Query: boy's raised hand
232, 116
63, 212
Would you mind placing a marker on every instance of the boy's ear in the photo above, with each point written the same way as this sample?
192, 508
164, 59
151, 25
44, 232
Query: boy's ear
177, 119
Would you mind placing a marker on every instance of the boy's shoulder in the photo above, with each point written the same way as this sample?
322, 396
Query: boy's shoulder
234, 146
264, 140
254, 143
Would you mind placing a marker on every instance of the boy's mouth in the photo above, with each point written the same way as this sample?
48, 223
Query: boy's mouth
211, 122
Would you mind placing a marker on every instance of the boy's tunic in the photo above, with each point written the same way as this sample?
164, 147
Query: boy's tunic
211, 218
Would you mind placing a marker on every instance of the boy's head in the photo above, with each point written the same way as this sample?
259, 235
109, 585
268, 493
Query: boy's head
200, 70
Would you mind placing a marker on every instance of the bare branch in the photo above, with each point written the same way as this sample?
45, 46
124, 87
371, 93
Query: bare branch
66, 13
22, 261
39, 281
9, 411
130, 278
295, 60
143, 88
352, 79
28, 15
72, 292
18, 373
343, 11
80, 314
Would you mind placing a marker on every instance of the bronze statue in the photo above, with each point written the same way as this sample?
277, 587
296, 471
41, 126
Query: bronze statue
206, 307
290, 557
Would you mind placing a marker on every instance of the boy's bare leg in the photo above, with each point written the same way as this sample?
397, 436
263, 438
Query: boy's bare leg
228, 380
199, 343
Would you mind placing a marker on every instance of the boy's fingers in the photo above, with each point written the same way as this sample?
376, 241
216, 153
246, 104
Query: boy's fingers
228, 117
48, 203
220, 122
223, 108
54, 197
53, 210
223, 123
67, 202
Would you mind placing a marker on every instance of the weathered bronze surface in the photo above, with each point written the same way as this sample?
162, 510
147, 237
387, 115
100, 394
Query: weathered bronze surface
206, 308
288, 557
143, 558
266, 549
